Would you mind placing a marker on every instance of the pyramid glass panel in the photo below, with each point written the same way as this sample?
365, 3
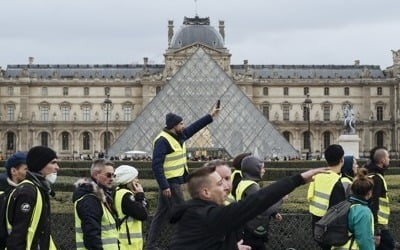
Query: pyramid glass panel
191, 93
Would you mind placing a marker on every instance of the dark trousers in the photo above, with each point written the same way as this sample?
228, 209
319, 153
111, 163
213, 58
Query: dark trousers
387, 241
162, 215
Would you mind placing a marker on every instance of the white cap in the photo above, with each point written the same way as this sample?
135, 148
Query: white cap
125, 174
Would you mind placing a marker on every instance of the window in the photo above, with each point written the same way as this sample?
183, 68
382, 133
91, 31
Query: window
265, 110
107, 112
306, 140
65, 91
286, 91
44, 113
327, 113
346, 91
44, 139
158, 89
107, 91
65, 140
379, 91
10, 141
327, 139
65, 110
10, 91
379, 113
286, 134
265, 91
86, 91
306, 91
128, 91
286, 112
86, 141
44, 91
326, 91
379, 138
10, 112
86, 113
127, 112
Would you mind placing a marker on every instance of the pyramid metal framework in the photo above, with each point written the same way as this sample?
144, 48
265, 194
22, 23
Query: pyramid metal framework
191, 93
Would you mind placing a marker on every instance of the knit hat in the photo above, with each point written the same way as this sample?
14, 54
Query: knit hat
237, 161
171, 120
16, 159
333, 154
251, 168
38, 157
125, 174
347, 168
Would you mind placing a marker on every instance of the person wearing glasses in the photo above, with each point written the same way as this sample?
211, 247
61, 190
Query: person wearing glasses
95, 219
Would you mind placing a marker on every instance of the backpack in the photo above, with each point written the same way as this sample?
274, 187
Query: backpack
332, 228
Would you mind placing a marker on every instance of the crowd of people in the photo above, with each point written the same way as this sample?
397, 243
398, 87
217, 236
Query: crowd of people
227, 210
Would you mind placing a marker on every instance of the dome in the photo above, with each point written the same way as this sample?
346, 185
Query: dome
197, 30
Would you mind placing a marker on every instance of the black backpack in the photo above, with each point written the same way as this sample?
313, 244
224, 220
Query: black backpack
332, 228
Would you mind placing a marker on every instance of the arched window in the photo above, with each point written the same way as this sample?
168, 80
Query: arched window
65, 140
265, 91
286, 134
327, 139
44, 139
86, 140
379, 139
10, 141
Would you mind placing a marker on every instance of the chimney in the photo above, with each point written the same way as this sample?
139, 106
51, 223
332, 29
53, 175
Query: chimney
31, 59
357, 62
170, 31
222, 28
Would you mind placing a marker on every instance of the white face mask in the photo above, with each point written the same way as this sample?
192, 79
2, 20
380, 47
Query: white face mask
51, 178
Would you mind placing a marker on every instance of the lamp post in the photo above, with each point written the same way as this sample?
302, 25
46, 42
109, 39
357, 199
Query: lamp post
107, 104
307, 107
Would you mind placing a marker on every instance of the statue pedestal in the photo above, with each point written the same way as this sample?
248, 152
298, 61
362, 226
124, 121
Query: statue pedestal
350, 144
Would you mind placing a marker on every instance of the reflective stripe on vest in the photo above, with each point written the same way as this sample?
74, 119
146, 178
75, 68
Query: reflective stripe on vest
175, 162
241, 188
130, 231
354, 246
321, 189
109, 234
384, 209
36, 214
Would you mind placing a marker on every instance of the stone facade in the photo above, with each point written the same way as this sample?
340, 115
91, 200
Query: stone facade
62, 106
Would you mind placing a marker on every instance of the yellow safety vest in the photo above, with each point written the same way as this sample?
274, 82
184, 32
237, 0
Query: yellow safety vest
36, 214
384, 209
175, 163
241, 188
354, 246
130, 231
320, 191
109, 233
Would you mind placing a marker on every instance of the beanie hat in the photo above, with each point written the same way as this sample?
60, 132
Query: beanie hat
251, 168
171, 120
125, 174
333, 154
237, 161
38, 157
16, 159
347, 168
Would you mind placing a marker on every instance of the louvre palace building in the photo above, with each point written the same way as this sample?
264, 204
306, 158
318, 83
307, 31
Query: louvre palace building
81, 109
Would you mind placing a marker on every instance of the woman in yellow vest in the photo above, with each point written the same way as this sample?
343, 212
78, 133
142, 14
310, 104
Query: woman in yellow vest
130, 204
360, 218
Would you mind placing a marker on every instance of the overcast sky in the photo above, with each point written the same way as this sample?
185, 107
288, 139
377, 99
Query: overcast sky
261, 31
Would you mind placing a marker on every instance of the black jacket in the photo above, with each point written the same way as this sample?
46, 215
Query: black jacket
21, 206
90, 211
206, 225
378, 191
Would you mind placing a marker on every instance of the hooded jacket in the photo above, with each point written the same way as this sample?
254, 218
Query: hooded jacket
203, 224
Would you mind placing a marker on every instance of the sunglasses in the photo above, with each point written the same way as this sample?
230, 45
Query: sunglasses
110, 175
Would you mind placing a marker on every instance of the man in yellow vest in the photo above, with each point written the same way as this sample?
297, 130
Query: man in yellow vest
95, 220
170, 168
327, 190
28, 210
380, 201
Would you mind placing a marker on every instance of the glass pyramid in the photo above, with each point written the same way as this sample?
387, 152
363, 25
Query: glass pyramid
191, 93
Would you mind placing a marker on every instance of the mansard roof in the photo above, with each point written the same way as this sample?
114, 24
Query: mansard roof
68, 71
310, 71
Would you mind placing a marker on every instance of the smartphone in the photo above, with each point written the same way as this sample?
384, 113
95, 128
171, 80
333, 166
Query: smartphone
218, 104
